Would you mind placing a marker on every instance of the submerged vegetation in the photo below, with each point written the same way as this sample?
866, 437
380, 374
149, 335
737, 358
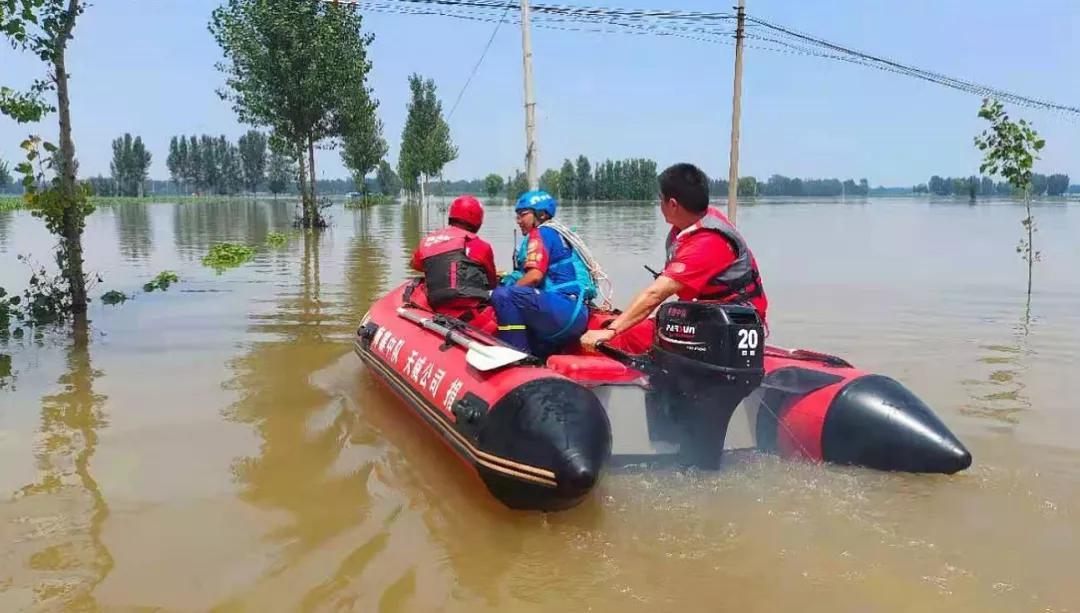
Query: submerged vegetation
45, 300
227, 255
276, 239
162, 281
113, 296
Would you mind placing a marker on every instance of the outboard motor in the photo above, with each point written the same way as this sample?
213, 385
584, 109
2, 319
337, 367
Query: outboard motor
706, 357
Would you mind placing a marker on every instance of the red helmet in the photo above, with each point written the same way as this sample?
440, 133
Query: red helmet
467, 209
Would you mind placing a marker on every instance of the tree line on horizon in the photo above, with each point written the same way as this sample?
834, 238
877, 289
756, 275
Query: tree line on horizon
973, 186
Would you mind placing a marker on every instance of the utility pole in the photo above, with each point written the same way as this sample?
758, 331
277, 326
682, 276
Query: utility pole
530, 102
736, 114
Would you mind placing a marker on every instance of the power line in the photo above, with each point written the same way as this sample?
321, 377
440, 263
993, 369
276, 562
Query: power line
708, 27
479, 61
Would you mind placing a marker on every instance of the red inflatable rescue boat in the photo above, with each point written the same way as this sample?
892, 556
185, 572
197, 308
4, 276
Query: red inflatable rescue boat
540, 434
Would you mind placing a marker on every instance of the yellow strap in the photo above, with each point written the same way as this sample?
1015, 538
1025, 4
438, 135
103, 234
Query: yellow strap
512, 327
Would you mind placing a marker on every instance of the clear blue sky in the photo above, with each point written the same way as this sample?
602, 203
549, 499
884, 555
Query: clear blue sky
147, 66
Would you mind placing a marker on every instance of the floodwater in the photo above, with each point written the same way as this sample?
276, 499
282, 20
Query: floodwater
220, 446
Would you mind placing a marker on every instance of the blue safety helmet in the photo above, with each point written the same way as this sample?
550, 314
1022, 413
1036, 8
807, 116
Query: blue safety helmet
537, 200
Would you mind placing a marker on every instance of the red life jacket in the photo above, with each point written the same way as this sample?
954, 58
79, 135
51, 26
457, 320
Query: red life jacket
740, 281
449, 273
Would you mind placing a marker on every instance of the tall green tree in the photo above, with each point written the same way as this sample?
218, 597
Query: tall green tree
193, 165
231, 167
568, 181
183, 160
5, 175
549, 181
388, 180
209, 163
493, 185
426, 146
296, 67
748, 186
362, 144
174, 162
517, 186
44, 27
584, 179
280, 173
253, 159
140, 166
1010, 149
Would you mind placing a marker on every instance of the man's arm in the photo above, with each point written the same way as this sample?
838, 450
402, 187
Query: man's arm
532, 278
640, 307
645, 302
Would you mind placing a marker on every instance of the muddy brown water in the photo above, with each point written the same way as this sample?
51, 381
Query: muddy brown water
219, 445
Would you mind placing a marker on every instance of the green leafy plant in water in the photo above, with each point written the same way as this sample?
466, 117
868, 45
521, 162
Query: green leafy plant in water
64, 211
227, 255
162, 281
47, 299
112, 297
1010, 149
276, 239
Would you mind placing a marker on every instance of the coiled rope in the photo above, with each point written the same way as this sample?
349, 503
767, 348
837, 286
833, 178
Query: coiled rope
604, 287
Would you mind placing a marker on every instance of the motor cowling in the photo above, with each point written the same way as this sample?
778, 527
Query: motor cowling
704, 340
707, 358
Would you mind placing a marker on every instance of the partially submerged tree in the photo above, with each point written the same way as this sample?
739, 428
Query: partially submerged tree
297, 67
426, 146
1010, 149
44, 27
363, 146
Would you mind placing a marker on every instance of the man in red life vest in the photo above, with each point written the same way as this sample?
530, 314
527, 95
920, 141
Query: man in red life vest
458, 267
707, 259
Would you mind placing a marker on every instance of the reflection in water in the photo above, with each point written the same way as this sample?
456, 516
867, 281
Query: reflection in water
305, 467
366, 271
411, 227
201, 224
134, 230
64, 510
5, 223
1001, 397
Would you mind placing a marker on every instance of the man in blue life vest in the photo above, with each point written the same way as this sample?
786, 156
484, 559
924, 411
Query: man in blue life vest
543, 304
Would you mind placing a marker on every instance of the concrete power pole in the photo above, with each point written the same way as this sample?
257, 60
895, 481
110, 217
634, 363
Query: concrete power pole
736, 116
530, 102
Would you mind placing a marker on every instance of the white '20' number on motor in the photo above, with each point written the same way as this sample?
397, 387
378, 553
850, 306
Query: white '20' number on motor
748, 339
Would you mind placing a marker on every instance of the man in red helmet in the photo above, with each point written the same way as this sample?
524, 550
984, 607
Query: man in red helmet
458, 267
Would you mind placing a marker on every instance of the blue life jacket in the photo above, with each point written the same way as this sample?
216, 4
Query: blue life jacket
567, 275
